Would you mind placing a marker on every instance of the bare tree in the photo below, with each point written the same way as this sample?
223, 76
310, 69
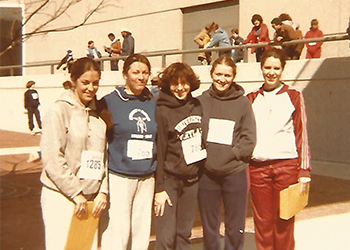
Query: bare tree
41, 16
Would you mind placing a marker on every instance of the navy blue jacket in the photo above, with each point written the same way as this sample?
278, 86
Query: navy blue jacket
131, 142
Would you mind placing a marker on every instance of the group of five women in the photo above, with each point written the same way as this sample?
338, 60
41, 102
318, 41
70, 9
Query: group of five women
162, 154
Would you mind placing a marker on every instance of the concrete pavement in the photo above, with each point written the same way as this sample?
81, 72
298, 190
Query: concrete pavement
318, 227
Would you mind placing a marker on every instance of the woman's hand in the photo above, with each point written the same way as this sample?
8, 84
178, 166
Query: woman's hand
160, 200
80, 205
304, 182
100, 204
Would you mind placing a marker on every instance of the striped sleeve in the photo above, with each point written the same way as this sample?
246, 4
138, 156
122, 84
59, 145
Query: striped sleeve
300, 131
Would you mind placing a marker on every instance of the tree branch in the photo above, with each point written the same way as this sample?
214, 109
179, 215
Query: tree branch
16, 36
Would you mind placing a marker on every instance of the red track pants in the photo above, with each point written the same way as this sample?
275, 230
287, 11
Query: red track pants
267, 180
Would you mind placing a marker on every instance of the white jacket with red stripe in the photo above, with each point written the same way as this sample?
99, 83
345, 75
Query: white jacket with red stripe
281, 126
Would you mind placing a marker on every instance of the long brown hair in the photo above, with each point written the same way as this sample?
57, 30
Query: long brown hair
81, 66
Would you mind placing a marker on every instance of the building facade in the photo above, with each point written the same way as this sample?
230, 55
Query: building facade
160, 25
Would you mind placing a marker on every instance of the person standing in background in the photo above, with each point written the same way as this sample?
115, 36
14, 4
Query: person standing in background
219, 39
31, 104
113, 51
287, 19
202, 39
68, 59
284, 33
313, 49
92, 51
258, 34
128, 47
235, 39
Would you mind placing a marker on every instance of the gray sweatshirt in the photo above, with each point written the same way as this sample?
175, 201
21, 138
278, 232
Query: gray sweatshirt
70, 128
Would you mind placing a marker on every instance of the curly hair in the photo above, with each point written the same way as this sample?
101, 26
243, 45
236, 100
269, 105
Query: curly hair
175, 72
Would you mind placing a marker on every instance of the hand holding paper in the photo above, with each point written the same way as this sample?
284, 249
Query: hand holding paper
292, 201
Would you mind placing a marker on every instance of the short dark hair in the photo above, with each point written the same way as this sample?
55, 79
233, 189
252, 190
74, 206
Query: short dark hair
67, 85
135, 58
29, 84
276, 53
90, 42
177, 71
276, 21
224, 60
257, 17
235, 30
111, 34
314, 22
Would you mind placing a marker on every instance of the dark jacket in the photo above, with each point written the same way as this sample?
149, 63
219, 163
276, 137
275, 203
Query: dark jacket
31, 99
177, 122
231, 107
128, 46
131, 142
239, 53
287, 32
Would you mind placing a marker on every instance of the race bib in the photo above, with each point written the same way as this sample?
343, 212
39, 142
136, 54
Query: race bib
35, 96
221, 131
192, 149
92, 166
139, 149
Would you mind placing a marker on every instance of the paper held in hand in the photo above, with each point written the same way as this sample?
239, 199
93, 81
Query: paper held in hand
291, 202
82, 231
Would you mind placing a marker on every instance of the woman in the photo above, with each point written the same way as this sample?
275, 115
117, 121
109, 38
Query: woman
281, 155
258, 34
179, 153
31, 104
229, 131
313, 49
202, 39
131, 161
219, 39
73, 138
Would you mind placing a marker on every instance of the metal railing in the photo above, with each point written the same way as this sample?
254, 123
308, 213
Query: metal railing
164, 53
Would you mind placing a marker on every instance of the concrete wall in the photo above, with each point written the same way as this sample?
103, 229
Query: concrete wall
158, 25
325, 84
